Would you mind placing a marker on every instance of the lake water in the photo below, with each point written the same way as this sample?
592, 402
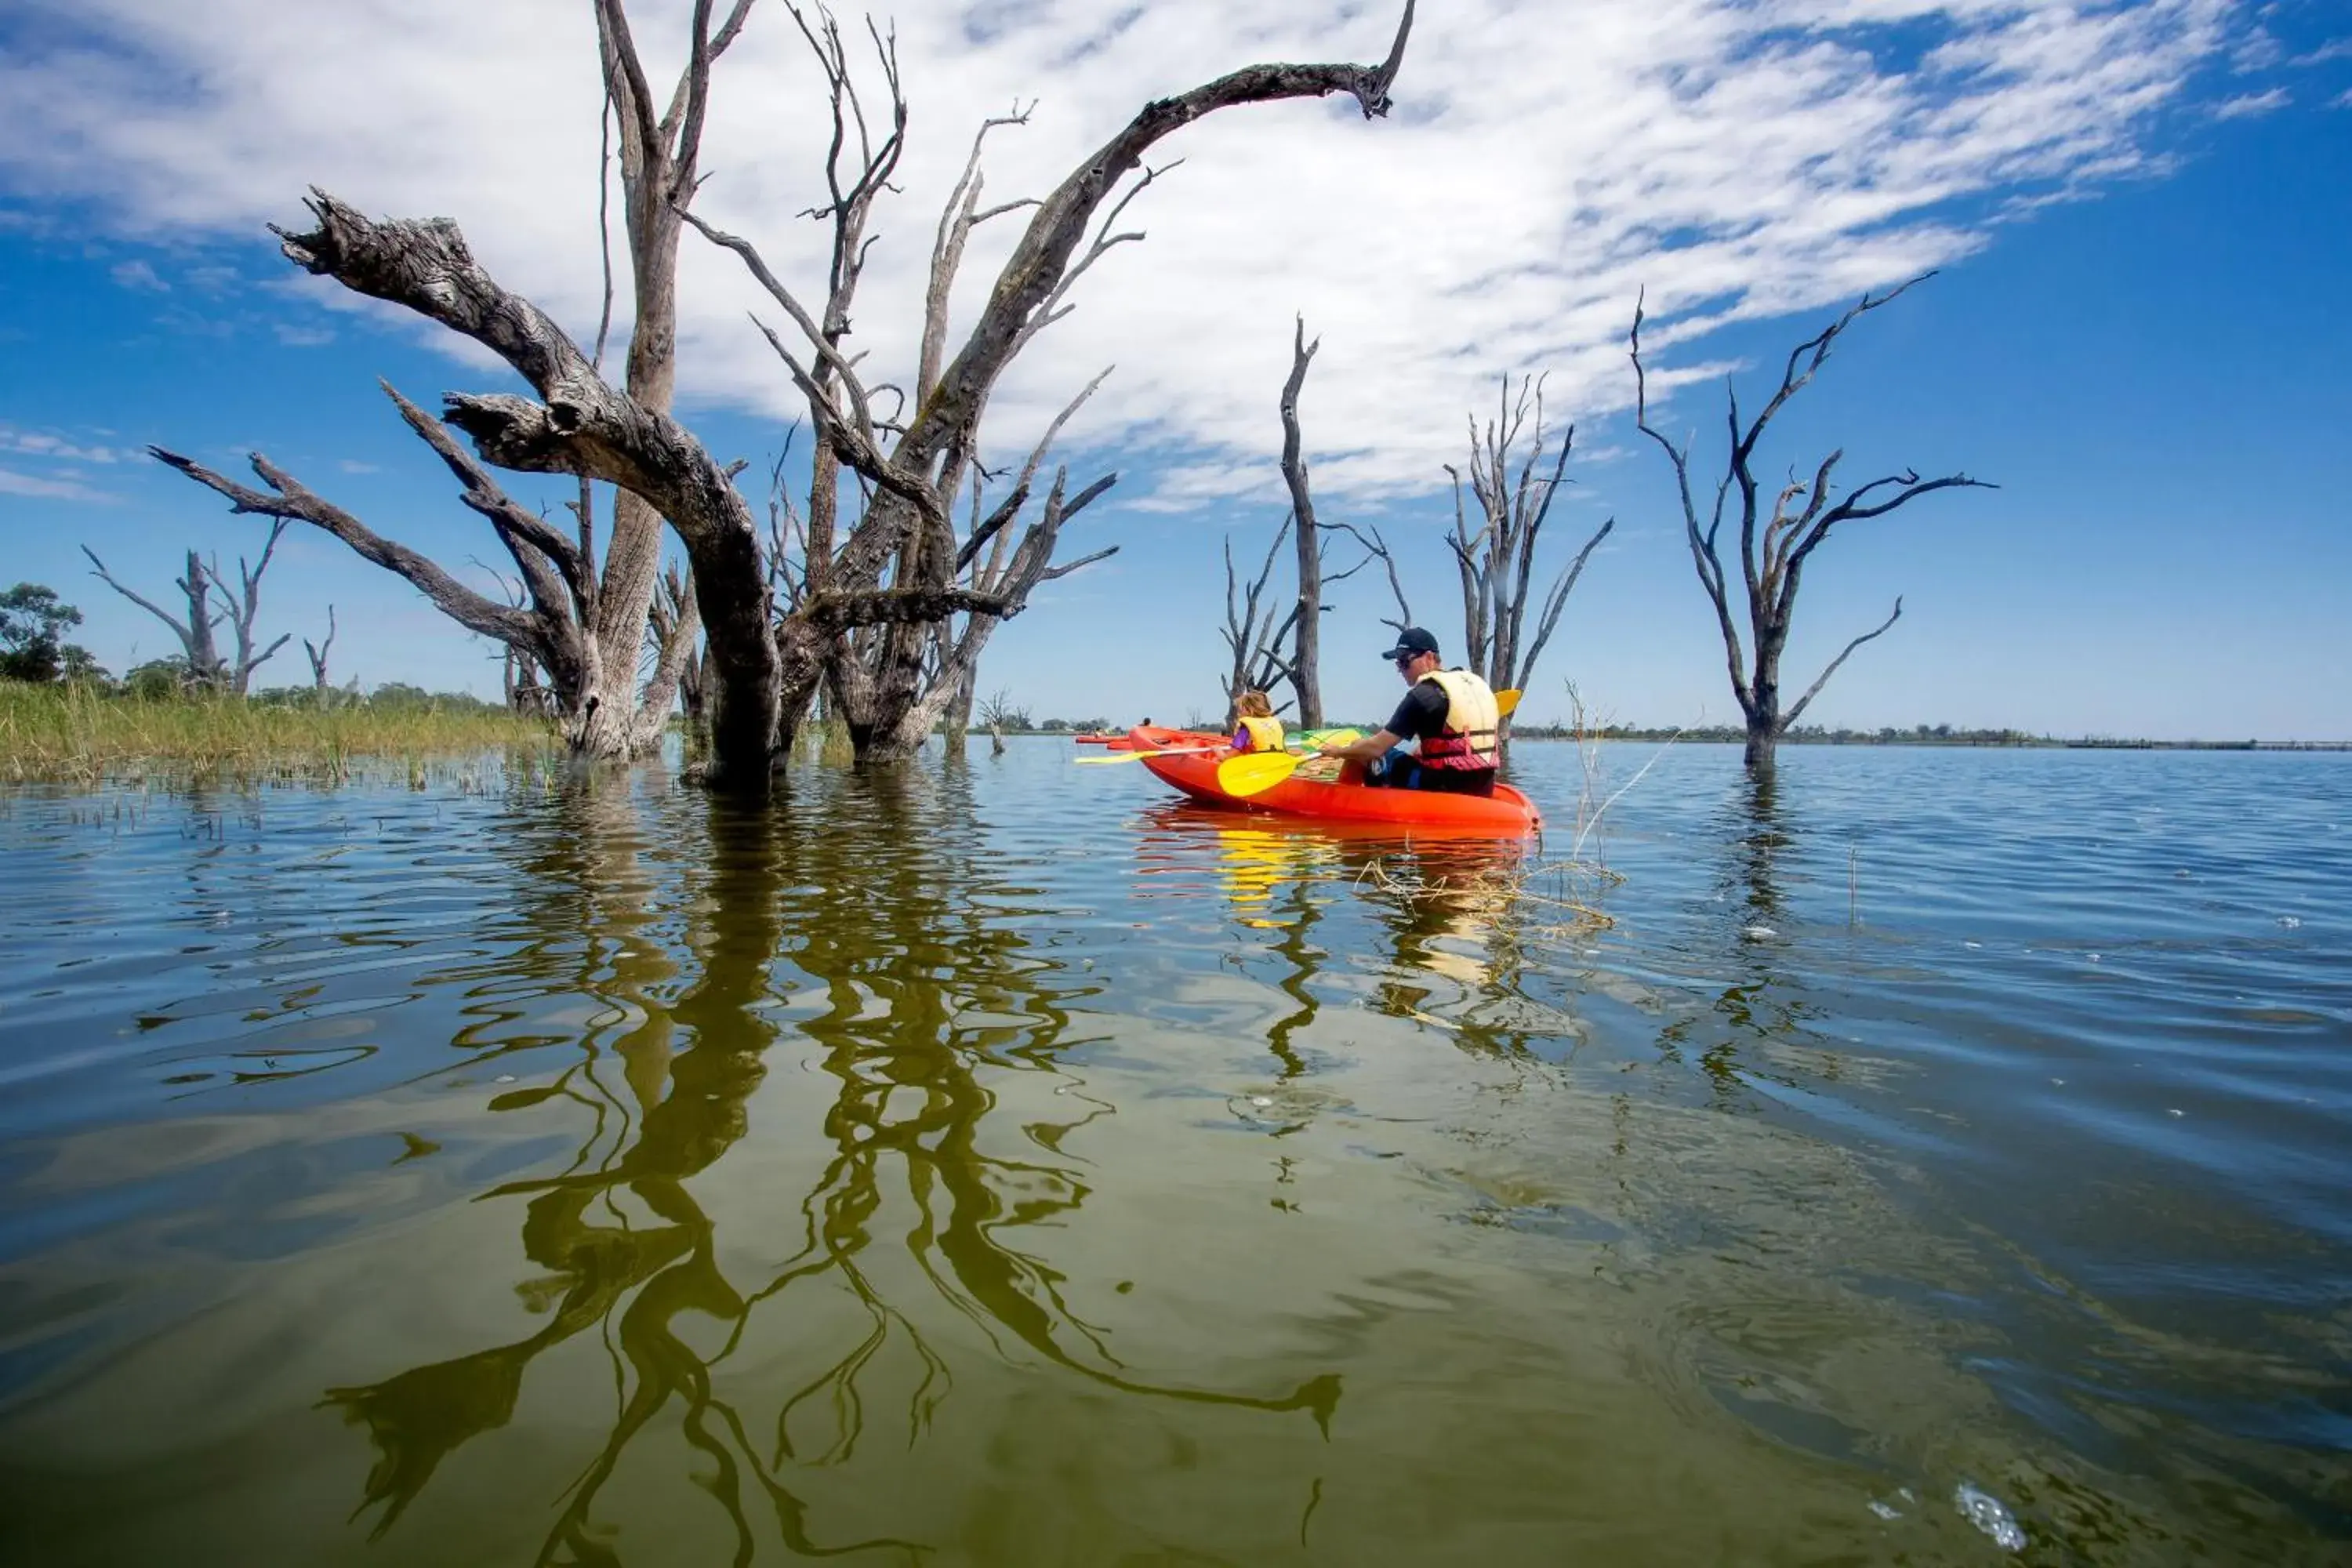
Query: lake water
997, 1163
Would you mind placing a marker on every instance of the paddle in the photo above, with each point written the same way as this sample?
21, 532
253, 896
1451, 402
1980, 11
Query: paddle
1320, 737
1255, 772
1131, 756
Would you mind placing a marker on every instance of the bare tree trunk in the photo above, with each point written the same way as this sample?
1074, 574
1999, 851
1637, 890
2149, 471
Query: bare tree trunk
1306, 619
1772, 556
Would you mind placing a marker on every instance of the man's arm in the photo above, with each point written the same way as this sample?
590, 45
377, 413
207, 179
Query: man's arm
1379, 743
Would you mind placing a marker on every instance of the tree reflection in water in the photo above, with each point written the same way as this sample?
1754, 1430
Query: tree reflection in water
1760, 1005
875, 889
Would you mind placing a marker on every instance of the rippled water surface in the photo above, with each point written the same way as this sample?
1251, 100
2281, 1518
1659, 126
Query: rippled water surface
994, 1164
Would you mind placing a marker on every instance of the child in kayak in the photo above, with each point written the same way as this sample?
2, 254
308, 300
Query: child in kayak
1256, 728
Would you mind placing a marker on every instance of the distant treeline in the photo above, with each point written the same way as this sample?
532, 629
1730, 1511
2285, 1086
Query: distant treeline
1804, 735
1918, 735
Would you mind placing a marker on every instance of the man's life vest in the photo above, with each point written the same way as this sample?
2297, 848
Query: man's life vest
1472, 724
1264, 733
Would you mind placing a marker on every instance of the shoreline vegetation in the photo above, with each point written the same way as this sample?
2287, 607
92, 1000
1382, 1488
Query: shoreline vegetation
1808, 735
73, 733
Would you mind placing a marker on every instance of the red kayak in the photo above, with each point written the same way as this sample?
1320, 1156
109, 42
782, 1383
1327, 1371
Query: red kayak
1192, 766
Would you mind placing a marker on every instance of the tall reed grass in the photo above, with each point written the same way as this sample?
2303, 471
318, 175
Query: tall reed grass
73, 735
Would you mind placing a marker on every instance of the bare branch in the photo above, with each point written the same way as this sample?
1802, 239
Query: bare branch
1709, 564
292, 500
1811, 691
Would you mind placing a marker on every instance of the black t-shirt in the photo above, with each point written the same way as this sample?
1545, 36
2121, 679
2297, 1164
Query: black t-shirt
1422, 715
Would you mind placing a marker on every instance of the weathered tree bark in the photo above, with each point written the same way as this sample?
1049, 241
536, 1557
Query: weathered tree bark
659, 159
195, 633
1305, 650
1772, 557
672, 637
1496, 560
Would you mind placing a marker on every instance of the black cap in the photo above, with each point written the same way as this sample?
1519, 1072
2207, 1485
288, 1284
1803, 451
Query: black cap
1411, 641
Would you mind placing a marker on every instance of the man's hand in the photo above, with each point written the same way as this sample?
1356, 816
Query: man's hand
1379, 743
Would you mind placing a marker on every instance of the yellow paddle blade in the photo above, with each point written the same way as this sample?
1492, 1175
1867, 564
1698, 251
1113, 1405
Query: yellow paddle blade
1254, 772
1506, 701
1329, 737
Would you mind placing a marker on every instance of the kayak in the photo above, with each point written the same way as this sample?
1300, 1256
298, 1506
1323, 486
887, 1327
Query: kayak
1190, 766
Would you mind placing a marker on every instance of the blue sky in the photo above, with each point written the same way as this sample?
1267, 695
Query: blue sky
2143, 347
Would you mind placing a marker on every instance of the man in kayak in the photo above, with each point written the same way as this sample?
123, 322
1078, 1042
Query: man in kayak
1451, 712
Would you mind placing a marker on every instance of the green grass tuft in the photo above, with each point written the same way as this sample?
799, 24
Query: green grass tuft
76, 734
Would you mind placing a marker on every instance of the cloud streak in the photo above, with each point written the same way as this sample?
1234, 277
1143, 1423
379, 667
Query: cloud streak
1736, 158
35, 486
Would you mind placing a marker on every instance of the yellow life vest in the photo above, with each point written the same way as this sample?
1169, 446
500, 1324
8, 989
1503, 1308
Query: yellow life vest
1264, 733
1473, 723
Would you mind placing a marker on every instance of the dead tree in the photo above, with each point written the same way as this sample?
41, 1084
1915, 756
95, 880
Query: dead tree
587, 623
1252, 634
1774, 548
206, 668
1302, 626
911, 471
1497, 558
244, 602
1006, 574
551, 628
762, 667
1307, 618
673, 607
317, 655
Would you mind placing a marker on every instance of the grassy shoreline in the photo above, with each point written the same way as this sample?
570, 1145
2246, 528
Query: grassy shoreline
72, 734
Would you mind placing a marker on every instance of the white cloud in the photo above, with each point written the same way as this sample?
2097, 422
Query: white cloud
1739, 158
140, 276
33, 485
2251, 104
294, 337
354, 466
39, 444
